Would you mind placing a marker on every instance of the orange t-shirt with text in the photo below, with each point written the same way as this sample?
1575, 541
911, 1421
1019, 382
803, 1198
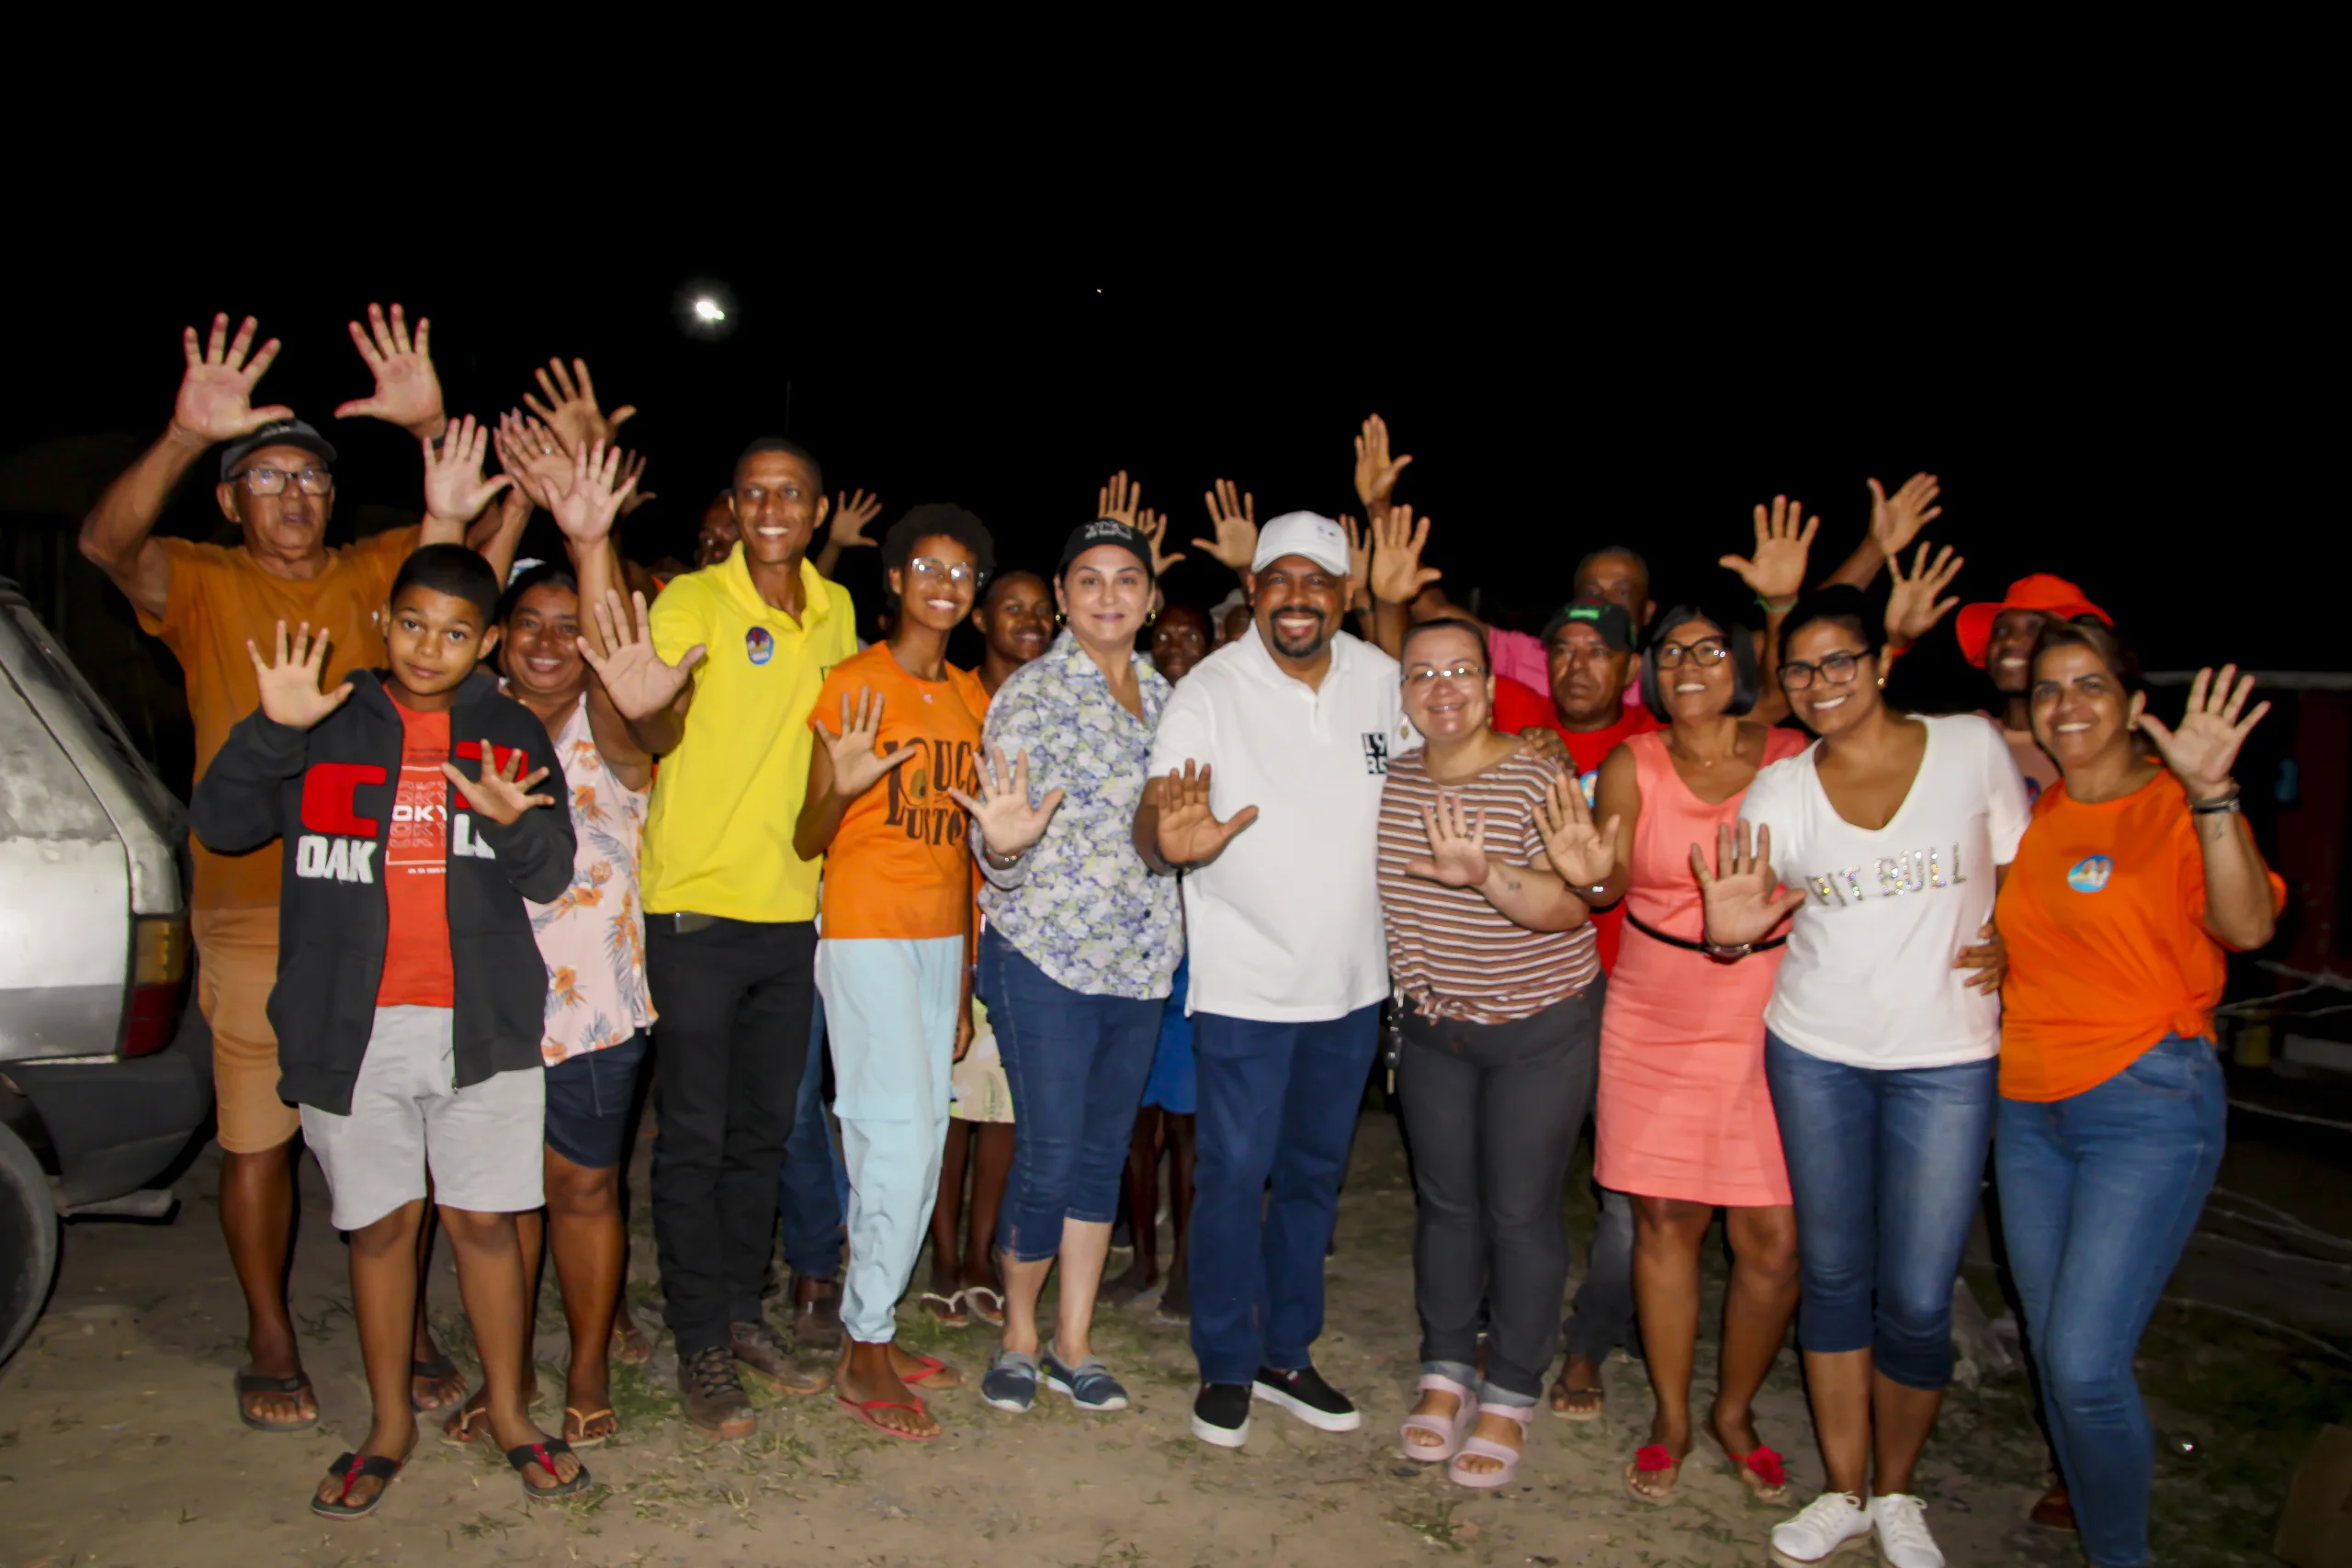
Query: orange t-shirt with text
215, 600
2103, 914
416, 870
899, 865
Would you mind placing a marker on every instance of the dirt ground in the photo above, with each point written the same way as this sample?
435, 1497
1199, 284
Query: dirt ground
119, 1445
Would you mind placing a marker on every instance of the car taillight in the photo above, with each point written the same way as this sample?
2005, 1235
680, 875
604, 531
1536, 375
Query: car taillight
159, 972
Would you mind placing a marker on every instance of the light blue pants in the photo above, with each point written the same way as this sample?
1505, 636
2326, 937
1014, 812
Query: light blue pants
891, 1019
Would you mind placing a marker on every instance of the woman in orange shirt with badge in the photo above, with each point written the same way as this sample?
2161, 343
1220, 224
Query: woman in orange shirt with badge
2134, 877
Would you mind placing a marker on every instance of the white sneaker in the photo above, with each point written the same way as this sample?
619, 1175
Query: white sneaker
1829, 1526
1903, 1537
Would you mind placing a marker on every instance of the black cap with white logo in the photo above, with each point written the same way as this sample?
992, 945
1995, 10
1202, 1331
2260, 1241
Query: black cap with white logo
1106, 531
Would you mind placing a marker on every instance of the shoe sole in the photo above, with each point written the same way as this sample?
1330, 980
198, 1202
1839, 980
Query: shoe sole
1219, 1437
1322, 1420
1067, 1391
1782, 1559
1010, 1406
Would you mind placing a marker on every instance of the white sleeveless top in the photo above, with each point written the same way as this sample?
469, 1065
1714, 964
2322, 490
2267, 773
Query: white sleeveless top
593, 937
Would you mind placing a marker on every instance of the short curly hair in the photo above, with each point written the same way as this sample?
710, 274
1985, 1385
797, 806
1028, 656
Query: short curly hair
937, 520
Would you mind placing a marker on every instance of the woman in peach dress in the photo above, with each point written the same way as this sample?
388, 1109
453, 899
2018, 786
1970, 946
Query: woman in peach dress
1684, 1121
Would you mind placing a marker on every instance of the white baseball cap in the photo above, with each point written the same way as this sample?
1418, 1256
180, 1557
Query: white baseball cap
1306, 534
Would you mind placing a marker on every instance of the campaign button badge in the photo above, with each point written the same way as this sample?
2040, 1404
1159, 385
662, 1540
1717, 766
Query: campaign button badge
758, 644
2090, 874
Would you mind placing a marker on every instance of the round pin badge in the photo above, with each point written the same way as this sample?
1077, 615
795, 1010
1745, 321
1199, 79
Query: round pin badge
759, 645
2090, 874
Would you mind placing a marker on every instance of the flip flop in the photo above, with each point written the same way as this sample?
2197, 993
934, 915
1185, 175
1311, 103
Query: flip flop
1764, 1472
991, 1311
468, 1424
433, 1370
1648, 1460
1449, 1430
1488, 1448
542, 1453
948, 1310
630, 1347
353, 1468
932, 1367
1598, 1397
864, 1410
254, 1382
572, 1418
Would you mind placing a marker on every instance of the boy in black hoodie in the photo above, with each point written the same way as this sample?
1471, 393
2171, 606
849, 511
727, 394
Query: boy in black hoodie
410, 991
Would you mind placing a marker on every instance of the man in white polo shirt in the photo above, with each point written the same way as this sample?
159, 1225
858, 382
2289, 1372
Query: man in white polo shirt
1267, 770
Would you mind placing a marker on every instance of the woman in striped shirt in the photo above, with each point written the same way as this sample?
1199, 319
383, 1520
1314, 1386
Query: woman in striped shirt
1493, 957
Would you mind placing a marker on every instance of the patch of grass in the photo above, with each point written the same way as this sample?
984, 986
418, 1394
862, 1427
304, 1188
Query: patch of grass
486, 1527
1433, 1522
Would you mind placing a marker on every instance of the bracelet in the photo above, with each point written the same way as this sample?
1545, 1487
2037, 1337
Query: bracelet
1726, 952
1000, 862
1772, 609
2232, 802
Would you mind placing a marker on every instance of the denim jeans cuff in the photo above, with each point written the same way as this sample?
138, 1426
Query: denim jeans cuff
1508, 1398
1462, 1373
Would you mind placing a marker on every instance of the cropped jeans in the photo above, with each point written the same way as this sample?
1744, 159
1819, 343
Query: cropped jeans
2099, 1192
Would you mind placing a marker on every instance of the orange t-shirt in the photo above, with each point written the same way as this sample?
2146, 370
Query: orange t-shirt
416, 870
899, 865
215, 599
2103, 913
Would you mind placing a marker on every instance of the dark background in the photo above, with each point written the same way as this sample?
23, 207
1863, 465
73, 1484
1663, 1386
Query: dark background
2114, 410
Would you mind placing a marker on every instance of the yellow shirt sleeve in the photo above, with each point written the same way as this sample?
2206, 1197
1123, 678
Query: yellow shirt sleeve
680, 617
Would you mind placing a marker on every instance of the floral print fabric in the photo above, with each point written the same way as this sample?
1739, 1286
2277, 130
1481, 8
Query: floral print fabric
593, 936
1080, 905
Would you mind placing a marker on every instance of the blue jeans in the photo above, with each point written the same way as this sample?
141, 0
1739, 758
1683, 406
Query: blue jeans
815, 1191
1886, 1167
1077, 1064
2098, 1194
1278, 1103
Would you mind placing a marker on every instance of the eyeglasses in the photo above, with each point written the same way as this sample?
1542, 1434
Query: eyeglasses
928, 570
1707, 651
1837, 670
272, 481
1423, 676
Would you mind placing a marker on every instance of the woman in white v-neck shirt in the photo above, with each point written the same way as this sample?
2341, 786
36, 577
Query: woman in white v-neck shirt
1889, 836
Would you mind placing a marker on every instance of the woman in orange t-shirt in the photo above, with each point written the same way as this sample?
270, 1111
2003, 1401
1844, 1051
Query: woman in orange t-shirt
2134, 877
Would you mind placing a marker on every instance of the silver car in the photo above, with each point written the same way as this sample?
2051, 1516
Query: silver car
101, 1084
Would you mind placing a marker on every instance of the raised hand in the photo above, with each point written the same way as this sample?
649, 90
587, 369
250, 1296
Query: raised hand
1189, 834
498, 795
290, 688
570, 410
1154, 528
1776, 572
1911, 607
592, 498
1233, 524
1359, 562
1118, 498
2204, 748
639, 681
1895, 519
1397, 574
530, 451
1375, 473
1584, 854
454, 487
1738, 892
1989, 958
1009, 824
407, 392
1457, 857
851, 513
633, 495
216, 394
857, 765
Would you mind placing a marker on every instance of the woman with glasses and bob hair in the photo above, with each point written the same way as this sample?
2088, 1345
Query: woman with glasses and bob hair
1892, 832
1684, 1121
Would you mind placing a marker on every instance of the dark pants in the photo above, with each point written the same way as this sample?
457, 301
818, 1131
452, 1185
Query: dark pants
734, 1000
1493, 1111
1601, 1317
1278, 1103
2099, 1192
815, 1193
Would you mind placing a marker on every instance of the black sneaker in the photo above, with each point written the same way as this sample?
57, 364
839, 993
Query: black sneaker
1221, 1415
1306, 1396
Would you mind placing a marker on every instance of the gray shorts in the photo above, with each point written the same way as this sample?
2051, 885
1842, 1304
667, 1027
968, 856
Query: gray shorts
481, 1142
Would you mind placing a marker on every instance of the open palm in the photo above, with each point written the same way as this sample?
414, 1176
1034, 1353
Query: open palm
857, 765
1190, 832
1582, 852
216, 394
1008, 823
408, 392
1783, 540
289, 686
638, 680
1457, 857
1233, 522
2203, 748
1738, 892
498, 795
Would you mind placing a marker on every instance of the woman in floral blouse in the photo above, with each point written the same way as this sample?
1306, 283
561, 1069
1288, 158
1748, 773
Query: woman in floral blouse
1080, 947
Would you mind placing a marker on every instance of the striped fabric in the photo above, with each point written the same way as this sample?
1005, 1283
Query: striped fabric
1452, 954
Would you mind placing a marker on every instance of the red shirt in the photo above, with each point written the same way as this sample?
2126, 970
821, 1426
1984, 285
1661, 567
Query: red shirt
1519, 707
416, 871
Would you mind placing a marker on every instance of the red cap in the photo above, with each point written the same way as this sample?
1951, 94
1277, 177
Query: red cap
2050, 596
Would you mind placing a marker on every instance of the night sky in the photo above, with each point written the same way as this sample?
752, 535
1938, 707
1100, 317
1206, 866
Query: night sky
2082, 417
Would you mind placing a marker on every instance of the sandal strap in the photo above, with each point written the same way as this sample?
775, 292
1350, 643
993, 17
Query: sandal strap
257, 1383
1653, 1457
1440, 1383
356, 1468
541, 1454
1767, 1466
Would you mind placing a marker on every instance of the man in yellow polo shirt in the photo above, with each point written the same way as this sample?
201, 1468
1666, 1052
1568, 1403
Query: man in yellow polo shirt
722, 691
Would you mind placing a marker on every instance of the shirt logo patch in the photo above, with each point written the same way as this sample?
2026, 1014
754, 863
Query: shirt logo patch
759, 645
1375, 751
2090, 874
